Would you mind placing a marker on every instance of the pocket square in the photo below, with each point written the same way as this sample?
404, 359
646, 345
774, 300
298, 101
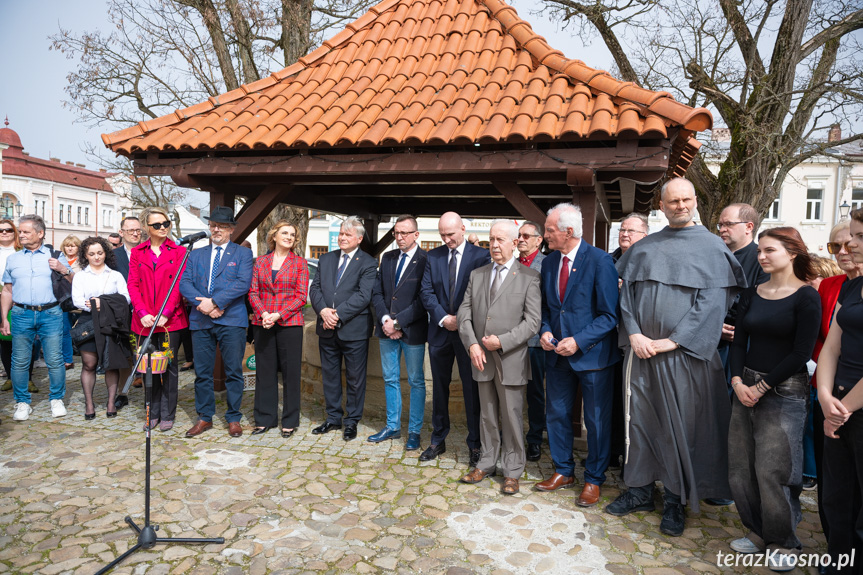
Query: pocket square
232, 264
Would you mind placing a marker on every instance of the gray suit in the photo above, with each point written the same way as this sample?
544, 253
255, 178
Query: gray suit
514, 317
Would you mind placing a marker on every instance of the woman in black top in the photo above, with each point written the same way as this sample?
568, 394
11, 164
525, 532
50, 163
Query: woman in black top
840, 393
776, 330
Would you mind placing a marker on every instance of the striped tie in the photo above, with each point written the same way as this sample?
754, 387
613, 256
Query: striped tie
215, 268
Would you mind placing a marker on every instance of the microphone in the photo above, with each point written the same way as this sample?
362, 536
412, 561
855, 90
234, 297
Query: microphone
192, 238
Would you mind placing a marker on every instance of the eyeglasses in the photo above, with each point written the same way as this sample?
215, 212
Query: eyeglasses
624, 231
160, 225
836, 247
528, 236
222, 227
7, 231
721, 225
403, 234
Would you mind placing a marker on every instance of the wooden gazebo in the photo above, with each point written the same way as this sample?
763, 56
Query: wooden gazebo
424, 106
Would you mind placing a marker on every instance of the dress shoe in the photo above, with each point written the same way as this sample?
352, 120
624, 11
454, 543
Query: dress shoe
121, 402
138, 382
627, 502
433, 451
475, 454
286, 433
673, 519
510, 486
325, 427
534, 451
110, 414
384, 434
718, 501
260, 430
90, 416
413, 442
153, 424
475, 476
555, 482
589, 495
350, 432
187, 366
199, 428
234, 429
166, 425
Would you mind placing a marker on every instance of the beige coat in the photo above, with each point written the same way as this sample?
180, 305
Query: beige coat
513, 316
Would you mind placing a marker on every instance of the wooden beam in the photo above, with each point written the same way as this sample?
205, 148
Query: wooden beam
627, 197
586, 200
370, 238
604, 209
383, 243
257, 209
520, 201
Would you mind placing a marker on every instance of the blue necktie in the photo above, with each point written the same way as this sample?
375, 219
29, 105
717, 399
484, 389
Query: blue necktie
399, 269
342, 269
215, 268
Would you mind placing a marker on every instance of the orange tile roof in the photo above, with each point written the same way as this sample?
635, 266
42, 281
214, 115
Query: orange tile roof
430, 72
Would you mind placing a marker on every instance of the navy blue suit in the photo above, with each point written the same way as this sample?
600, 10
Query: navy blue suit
402, 303
350, 297
444, 345
588, 314
122, 259
230, 286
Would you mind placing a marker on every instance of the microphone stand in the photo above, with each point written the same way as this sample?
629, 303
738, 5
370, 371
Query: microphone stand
147, 538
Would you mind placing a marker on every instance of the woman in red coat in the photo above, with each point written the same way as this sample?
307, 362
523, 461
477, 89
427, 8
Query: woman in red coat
280, 283
152, 267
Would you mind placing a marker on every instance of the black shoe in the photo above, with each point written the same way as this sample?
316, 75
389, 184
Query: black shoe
350, 432
90, 416
672, 519
120, 402
475, 454
433, 451
325, 427
260, 430
809, 483
534, 451
626, 503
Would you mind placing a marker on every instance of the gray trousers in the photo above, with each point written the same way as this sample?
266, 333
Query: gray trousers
765, 461
500, 408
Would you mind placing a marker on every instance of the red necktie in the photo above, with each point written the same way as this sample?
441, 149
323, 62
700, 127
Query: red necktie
564, 276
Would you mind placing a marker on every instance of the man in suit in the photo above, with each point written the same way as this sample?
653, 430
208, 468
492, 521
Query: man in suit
130, 232
529, 242
443, 286
499, 314
402, 326
579, 319
216, 280
340, 295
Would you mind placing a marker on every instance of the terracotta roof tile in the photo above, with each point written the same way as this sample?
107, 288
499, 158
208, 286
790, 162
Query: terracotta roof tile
434, 72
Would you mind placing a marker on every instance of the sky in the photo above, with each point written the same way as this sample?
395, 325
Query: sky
34, 77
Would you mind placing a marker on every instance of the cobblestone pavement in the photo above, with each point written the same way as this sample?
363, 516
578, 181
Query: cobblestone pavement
309, 504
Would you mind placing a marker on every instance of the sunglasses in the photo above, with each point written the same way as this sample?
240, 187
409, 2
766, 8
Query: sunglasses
7, 231
835, 247
160, 225
528, 236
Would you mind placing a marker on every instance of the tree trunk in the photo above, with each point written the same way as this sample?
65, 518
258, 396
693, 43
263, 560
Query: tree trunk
297, 216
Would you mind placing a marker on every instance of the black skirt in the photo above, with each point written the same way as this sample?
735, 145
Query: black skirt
90, 344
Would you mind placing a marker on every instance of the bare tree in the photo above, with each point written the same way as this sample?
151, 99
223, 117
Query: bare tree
165, 55
778, 75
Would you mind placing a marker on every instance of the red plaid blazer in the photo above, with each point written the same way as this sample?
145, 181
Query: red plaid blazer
286, 296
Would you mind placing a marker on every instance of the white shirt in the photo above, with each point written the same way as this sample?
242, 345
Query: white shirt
213, 260
5, 253
501, 271
88, 284
571, 257
342, 255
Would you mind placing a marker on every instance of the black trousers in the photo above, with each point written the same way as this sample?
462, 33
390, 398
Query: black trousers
355, 354
442, 358
843, 484
6, 356
278, 349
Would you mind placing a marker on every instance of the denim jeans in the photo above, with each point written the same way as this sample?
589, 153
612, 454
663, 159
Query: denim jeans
232, 345
414, 357
26, 325
765, 460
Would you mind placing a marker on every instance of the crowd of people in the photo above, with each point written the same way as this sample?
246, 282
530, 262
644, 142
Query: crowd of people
691, 351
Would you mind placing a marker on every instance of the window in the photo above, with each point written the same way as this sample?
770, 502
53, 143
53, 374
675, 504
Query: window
773, 211
43, 209
856, 198
69, 214
430, 245
79, 215
814, 199
86, 216
317, 215
61, 213
317, 251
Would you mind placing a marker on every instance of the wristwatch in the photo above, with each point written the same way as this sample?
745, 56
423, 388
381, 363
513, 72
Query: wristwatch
396, 325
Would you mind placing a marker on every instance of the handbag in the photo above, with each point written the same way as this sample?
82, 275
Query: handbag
83, 331
62, 288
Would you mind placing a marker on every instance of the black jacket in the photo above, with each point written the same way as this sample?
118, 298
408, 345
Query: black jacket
111, 326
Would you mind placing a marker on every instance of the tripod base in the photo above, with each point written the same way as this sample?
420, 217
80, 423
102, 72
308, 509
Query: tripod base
147, 540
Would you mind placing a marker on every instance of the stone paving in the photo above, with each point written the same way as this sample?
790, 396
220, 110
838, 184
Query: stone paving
310, 504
